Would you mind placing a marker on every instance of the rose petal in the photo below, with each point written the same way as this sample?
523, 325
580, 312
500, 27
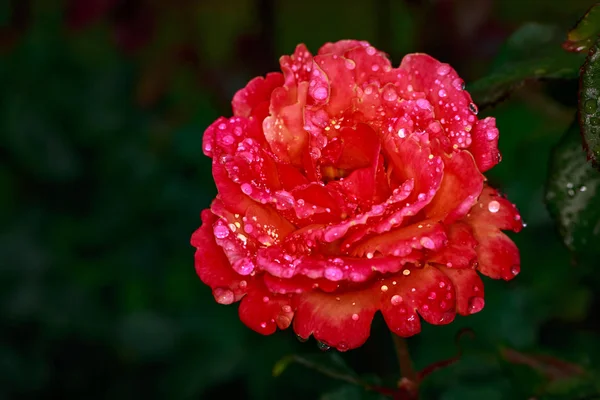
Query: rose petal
485, 144
212, 266
424, 289
284, 128
254, 98
263, 311
341, 47
469, 289
402, 241
459, 190
460, 250
497, 255
340, 320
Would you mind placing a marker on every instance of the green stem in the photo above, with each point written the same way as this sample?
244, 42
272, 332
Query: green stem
407, 370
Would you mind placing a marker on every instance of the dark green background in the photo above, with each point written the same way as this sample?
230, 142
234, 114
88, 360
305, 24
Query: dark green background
102, 180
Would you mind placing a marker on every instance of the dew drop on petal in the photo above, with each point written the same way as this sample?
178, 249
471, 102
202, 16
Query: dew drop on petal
390, 94
301, 339
443, 70
266, 299
442, 93
320, 93
246, 188
286, 309
263, 325
476, 304
223, 296
396, 299
473, 108
355, 317
333, 273
458, 84
221, 232
350, 64
515, 270
427, 243
322, 346
384, 288
494, 206
432, 296
243, 284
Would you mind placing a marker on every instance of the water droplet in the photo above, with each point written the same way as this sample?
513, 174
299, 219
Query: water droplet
369, 255
350, 64
243, 284
595, 121
406, 272
286, 309
246, 188
384, 288
443, 70
494, 206
401, 133
263, 325
390, 94
221, 232
371, 50
473, 108
476, 304
442, 93
243, 266
424, 104
458, 84
223, 296
582, 189
333, 273
375, 68
322, 346
301, 339
355, 317
396, 299
427, 243
320, 93
515, 270
432, 296
266, 299
590, 106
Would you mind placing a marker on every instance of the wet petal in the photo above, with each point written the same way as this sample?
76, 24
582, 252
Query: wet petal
497, 255
425, 235
461, 186
460, 250
212, 266
254, 98
340, 320
263, 311
485, 144
469, 289
444, 90
426, 290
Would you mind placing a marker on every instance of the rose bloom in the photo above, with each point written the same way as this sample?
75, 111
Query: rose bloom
347, 187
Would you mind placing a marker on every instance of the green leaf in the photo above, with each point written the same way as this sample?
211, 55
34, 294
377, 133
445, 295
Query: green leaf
589, 114
330, 364
532, 52
573, 195
582, 37
351, 392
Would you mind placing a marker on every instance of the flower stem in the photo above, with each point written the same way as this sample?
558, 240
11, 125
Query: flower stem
407, 371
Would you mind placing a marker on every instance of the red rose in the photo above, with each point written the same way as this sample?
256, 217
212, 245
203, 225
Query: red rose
348, 187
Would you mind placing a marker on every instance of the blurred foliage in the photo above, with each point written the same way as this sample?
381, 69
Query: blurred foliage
102, 111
